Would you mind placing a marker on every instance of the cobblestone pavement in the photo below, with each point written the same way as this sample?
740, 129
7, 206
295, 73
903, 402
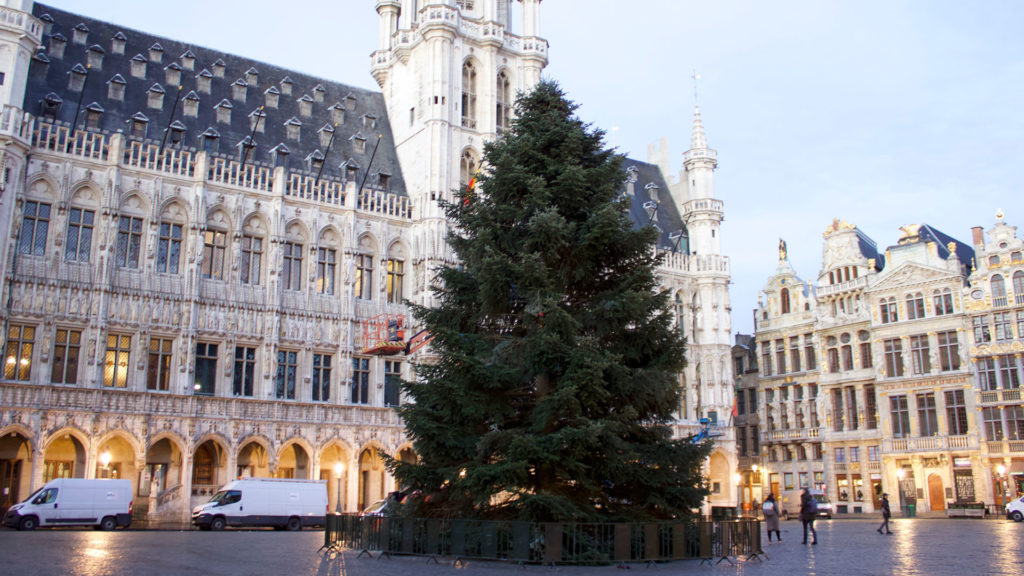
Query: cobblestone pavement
918, 547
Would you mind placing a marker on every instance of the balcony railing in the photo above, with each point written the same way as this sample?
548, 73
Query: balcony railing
997, 396
930, 443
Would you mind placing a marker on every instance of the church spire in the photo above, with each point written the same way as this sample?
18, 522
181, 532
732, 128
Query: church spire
698, 141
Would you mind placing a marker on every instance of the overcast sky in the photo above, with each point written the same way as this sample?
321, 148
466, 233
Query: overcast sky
878, 112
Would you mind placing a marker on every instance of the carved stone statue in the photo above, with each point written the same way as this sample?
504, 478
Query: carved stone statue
782, 249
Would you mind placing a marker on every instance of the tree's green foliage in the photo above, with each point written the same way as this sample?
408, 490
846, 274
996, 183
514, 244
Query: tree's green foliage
558, 358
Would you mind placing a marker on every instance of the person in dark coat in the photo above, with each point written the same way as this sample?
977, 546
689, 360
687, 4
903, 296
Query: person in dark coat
886, 514
808, 513
770, 508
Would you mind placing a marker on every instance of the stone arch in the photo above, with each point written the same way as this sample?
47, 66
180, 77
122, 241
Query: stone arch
116, 455
85, 193
72, 431
288, 456
720, 472
372, 474
42, 187
398, 249
173, 437
210, 458
330, 237
17, 451
255, 224
367, 243
296, 231
469, 165
254, 456
331, 454
65, 454
219, 217
135, 445
134, 203
22, 431
215, 437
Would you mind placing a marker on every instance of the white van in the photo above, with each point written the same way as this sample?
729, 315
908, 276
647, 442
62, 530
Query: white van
289, 504
1015, 509
106, 504
790, 504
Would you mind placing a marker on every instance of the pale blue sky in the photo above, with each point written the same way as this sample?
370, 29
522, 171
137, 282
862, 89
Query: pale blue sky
878, 112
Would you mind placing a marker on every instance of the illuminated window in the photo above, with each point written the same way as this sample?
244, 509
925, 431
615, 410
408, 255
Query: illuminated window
115, 367
18, 352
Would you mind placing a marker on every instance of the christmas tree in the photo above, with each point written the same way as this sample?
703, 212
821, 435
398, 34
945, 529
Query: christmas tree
558, 360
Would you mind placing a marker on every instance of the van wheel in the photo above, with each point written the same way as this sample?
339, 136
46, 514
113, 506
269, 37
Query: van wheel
1018, 516
28, 523
217, 524
293, 524
108, 523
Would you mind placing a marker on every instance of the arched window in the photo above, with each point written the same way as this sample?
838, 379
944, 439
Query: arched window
915, 306
469, 95
998, 286
1018, 288
468, 168
784, 297
503, 102
943, 301
888, 309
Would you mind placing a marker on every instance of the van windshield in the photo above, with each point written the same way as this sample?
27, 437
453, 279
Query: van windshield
821, 498
226, 497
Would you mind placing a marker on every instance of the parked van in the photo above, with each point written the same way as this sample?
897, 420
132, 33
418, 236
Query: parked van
280, 503
1015, 509
790, 504
106, 504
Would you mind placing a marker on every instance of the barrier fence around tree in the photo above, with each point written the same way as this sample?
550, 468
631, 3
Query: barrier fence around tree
545, 543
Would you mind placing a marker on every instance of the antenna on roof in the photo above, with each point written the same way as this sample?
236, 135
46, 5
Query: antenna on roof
370, 165
329, 143
74, 123
252, 136
170, 121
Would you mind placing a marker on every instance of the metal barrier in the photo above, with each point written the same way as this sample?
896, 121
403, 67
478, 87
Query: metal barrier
545, 543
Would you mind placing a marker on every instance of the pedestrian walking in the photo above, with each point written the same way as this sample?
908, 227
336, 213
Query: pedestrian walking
886, 514
770, 508
808, 513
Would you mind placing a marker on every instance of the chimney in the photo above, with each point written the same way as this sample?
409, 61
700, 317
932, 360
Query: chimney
979, 236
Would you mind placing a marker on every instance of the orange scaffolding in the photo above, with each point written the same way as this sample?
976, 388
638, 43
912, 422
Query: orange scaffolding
384, 335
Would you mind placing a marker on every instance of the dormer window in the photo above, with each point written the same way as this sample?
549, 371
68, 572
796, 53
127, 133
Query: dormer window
286, 86
318, 93
384, 181
44, 61
47, 21
358, 143
271, 96
326, 134
94, 59
138, 66
258, 120
245, 148
292, 128
115, 88
155, 96
76, 78
203, 81
252, 76
156, 53
138, 123
350, 102
337, 113
223, 109
172, 74
653, 192
176, 133
305, 105
210, 140
238, 89
80, 34
218, 68
351, 170
191, 105
188, 61
315, 161
117, 44
50, 106
57, 44
369, 121
279, 156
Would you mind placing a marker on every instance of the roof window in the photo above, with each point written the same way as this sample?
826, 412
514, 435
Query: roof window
223, 109
286, 86
138, 123
47, 21
172, 74
337, 113
188, 61
292, 128
326, 134
358, 143
138, 66
115, 88
155, 97
218, 68
176, 133
252, 76
191, 105
57, 44
258, 120
318, 93
210, 140
204, 80
305, 105
315, 161
117, 43
50, 106
76, 78
279, 155
80, 34
369, 121
156, 53
350, 102
238, 89
271, 96
94, 57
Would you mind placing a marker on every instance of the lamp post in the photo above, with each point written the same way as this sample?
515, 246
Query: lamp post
339, 468
105, 462
739, 492
1001, 470
899, 488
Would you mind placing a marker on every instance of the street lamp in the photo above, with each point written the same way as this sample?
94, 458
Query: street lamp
900, 473
338, 469
105, 462
1001, 470
738, 478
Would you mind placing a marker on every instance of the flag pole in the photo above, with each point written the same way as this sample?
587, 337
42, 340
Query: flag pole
367, 173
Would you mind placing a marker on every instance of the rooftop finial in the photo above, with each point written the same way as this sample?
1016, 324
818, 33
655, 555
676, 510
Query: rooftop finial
695, 77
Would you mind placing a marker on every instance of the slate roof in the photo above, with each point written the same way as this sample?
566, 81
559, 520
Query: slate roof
926, 233
49, 73
668, 220
869, 249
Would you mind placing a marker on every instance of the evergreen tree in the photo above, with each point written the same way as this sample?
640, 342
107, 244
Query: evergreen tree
557, 375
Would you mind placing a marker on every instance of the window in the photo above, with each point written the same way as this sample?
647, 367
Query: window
155, 97
129, 241
321, 377
741, 402
900, 415
840, 455
1014, 416
34, 227
993, 423
809, 354
206, 369
392, 382
325, 270
788, 479
1001, 322
837, 410
919, 354
956, 413
223, 109
1008, 371
784, 300
780, 356
1018, 289
943, 301
79, 243
927, 418
158, 372
894, 358
287, 370
468, 95
870, 408
238, 89
1020, 317
854, 453
252, 256
998, 287
168, 256
915, 306
364, 277
115, 367
503, 102
833, 354
949, 351
981, 332
851, 407
865, 349
245, 371
888, 310
214, 248
360, 380
847, 353
987, 374
18, 352
291, 275
65, 356
396, 280
872, 453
